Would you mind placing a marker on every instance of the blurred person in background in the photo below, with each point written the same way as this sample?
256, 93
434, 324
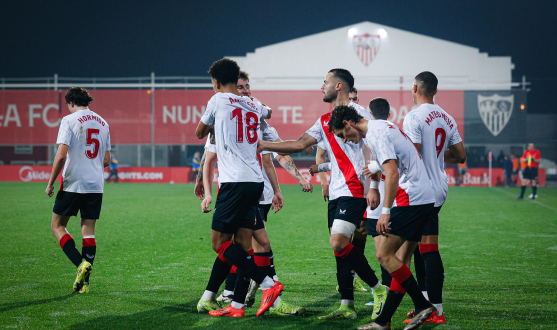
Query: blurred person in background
113, 168
195, 164
500, 160
516, 167
353, 95
508, 170
531, 157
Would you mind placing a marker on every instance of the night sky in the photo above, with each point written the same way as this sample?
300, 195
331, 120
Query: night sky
182, 38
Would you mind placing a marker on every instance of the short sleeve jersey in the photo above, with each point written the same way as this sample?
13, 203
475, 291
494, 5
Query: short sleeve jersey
347, 159
530, 155
236, 121
268, 133
386, 142
88, 137
435, 130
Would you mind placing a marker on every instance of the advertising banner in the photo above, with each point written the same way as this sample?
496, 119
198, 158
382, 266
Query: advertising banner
26, 173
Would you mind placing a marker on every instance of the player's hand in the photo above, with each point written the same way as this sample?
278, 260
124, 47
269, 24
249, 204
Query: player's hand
205, 204
383, 225
373, 198
49, 190
325, 190
365, 170
199, 190
313, 169
306, 186
309, 150
278, 202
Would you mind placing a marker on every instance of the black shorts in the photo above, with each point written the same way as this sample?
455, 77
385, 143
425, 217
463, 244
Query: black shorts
530, 173
409, 221
372, 227
236, 206
432, 224
68, 203
261, 216
349, 209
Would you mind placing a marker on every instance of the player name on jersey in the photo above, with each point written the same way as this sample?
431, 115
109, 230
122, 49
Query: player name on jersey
436, 114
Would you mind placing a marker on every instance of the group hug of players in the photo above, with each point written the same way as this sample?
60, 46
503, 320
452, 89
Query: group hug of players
384, 181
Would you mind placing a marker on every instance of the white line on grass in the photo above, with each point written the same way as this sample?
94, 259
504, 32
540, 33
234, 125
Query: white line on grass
534, 201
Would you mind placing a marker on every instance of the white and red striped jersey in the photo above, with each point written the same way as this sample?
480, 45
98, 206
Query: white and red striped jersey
435, 130
236, 121
88, 138
347, 159
386, 142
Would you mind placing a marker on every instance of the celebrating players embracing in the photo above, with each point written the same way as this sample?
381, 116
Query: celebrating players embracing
83, 153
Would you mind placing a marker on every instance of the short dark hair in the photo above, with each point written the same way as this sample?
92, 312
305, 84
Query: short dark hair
345, 76
225, 71
340, 113
427, 83
353, 90
243, 75
380, 108
79, 96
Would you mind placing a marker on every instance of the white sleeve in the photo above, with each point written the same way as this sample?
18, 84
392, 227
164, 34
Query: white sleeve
64, 133
269, 134
455, 138
209, 115
382, 145
325, 167
412, 128
321, 145
209, 146
107, 138
316, 131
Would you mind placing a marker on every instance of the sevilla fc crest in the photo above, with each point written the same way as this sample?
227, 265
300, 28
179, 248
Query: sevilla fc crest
495, 110
366, 47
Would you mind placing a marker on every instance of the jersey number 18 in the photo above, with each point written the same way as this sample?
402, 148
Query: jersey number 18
251, 126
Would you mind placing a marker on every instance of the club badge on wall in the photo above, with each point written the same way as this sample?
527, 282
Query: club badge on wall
495, 110
366, 47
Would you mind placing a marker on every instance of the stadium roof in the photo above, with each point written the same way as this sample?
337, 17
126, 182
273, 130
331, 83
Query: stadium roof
380, 58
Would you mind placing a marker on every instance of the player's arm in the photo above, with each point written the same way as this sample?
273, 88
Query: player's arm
57, 166
106, 160
288, 164
373, 197
288, 147
455, 154
198, 190
203, 130
208, 172
269, 168
321, 158
391, 188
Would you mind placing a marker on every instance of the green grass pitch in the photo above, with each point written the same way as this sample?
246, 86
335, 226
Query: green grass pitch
154, 258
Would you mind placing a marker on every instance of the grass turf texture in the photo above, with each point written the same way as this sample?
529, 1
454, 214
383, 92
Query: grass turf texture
154, 258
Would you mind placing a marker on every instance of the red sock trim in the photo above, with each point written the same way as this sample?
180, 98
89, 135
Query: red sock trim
251, 252
336, 254
396, 287
89, 242
426, 248
262, 261
223, 259
233, 270
223, 247
346, 251
402, 274
64, 239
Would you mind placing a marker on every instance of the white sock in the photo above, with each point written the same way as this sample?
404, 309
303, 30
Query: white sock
228, 293
276, 303
237, 305
425, 295
376, 286
439, 309
354, 275
275, 277
347, 302
267, 283
208, 295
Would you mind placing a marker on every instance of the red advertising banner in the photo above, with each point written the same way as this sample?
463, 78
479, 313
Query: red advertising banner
26, 173
33, 117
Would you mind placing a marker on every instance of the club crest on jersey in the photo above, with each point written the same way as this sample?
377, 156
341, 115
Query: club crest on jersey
366, 47
495, 110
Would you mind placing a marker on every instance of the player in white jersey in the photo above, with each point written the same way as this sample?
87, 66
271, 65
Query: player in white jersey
83, 153
236, 121
347, 203
408, 201
434, 133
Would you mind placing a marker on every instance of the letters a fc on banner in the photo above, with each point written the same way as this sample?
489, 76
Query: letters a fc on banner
366, 47
495, 110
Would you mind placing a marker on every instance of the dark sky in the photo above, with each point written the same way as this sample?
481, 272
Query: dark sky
182, 38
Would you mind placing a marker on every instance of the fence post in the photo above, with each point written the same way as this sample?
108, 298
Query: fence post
55, 81
152, 119
490, 162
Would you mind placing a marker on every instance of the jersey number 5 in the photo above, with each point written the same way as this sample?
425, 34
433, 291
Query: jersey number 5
92, 141
251, 126
440, 136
